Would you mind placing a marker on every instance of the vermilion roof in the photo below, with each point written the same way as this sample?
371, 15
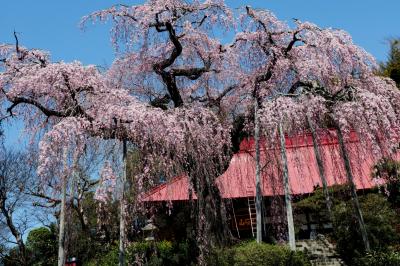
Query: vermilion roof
239, 179
176, 189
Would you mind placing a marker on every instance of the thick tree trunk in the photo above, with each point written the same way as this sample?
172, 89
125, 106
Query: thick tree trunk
350, 179
258, 173
288, 199
321, 168
122, 234
212, 226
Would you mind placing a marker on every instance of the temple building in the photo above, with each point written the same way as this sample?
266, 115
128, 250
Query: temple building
237, 184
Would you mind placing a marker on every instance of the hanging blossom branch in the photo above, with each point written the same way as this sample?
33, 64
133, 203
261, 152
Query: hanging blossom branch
79, 103
375, 117
106, 185
326, 72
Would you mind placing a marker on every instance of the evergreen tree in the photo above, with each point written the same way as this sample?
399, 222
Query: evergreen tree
391, 68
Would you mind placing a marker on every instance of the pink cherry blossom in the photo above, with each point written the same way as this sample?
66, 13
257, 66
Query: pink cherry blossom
179, 94
107, 184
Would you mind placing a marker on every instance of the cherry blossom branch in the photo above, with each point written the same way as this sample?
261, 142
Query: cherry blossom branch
292, 42
75, 111
191, 73
169, 76
345, 94
160, 67
20, 100
16, 43
251, 13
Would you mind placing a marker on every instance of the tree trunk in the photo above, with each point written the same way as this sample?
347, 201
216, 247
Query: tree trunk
61, 236
212, 226
350, 179
122, 235
258, 173
288, 200
321, 168
14, 232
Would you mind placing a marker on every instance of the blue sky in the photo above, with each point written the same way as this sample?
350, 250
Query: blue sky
53, 25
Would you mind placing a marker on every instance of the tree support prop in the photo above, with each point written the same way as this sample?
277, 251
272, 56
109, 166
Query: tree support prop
61, 236
122, 235
258, 175
321, 168
350, 179
288, 199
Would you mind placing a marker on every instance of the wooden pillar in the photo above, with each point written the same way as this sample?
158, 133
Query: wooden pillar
288, 199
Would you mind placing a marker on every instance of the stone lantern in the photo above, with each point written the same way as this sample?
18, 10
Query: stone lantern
148, 230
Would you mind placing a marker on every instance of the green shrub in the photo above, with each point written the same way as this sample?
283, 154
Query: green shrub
184, 254
380, 220
137, 252
253, 254
166, 253
389, 170
158, 253
164, 250
389, 258
221, 257
108, 259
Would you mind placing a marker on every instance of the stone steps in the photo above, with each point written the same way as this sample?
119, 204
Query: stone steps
326, 262
320, 251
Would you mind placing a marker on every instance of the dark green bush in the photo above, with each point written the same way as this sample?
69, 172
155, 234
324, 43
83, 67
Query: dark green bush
158, 253
253, 254
109, 258
380, 220
389, 170
138, 252
222, 257
389, 258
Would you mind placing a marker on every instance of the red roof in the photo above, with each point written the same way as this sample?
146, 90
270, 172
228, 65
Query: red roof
239, 179
176, 189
